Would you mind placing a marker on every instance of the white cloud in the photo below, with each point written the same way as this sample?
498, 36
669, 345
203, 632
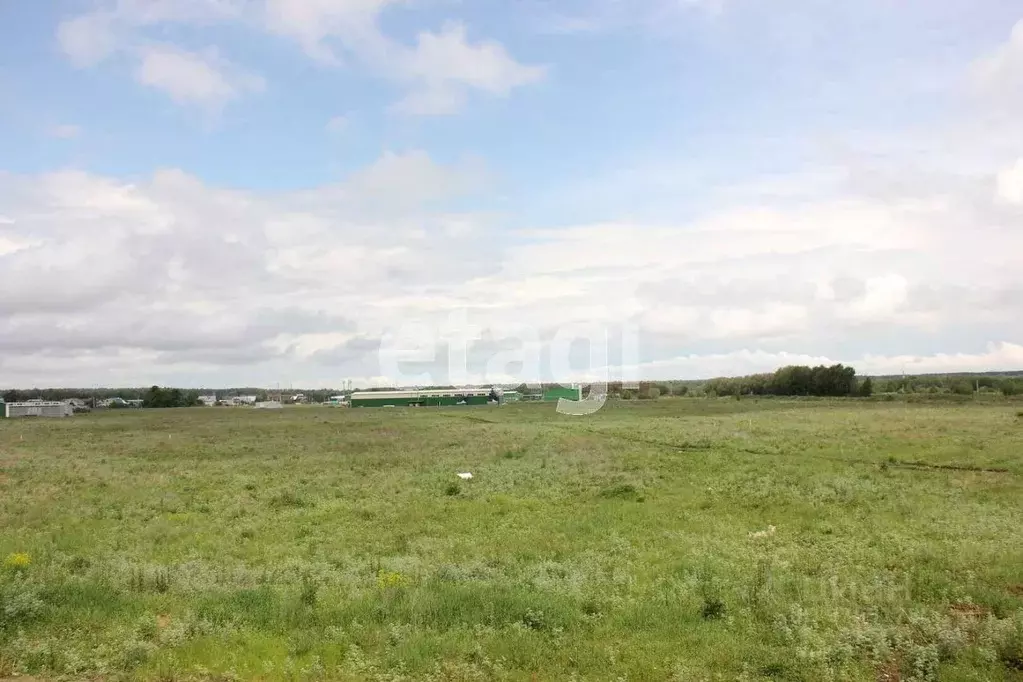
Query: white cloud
439, 70
88, 39
1002, 69
91, 37
1010, 184
313, 22
190, 78
444, 65
447, 58
307, 282
65, 131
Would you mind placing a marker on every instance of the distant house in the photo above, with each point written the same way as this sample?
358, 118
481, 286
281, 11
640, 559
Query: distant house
246, 399
298, 398
38, 408
208, 400
135, 402
113, 402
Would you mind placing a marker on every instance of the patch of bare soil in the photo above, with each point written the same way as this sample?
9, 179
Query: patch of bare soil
969, 610
889, 672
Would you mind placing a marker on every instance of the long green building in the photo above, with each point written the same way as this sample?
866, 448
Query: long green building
426, 398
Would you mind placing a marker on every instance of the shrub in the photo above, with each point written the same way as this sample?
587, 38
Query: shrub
712, 609
19, 606
287, 500
308, 594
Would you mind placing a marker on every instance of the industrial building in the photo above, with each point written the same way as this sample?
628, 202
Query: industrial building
458, 396
38, 408
553, 393
424, 398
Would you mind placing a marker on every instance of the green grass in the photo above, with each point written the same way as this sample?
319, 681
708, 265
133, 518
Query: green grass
315, 543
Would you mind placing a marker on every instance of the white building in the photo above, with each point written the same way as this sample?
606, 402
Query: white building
38, 408
208, 400
246, 399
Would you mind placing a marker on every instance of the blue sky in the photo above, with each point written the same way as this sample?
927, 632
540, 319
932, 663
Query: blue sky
202, 192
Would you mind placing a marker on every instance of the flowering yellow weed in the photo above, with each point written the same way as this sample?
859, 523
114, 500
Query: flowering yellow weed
387, 579
17, 560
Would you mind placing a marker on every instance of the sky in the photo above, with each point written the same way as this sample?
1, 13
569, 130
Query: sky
409, 192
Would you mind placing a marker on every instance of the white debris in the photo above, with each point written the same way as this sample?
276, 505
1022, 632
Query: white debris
465, 476
762, 533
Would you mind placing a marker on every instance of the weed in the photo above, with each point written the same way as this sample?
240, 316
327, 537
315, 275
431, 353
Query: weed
391, 580
624, 491
308, 594
1010, 649
18, 561
143, 580
534, 620
161, 580
288, 500
79, 564
452, 489
134, 653
712, 608
19, 605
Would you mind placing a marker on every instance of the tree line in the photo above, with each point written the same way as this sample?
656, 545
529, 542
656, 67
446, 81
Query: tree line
794, 380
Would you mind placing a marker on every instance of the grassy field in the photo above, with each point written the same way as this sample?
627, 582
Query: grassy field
681, 539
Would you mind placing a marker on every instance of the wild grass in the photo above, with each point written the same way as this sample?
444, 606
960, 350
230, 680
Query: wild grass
308, 544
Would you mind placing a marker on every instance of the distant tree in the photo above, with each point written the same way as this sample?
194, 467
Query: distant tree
866, 387
169, 397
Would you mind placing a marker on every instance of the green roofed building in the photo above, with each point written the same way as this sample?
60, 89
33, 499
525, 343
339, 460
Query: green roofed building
427, 398
553, 393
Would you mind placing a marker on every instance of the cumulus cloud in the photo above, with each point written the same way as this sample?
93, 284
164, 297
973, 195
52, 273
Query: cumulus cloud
202, 79
190, 78
439, 70
88, 39
445, 63
1001, 72
168, 277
